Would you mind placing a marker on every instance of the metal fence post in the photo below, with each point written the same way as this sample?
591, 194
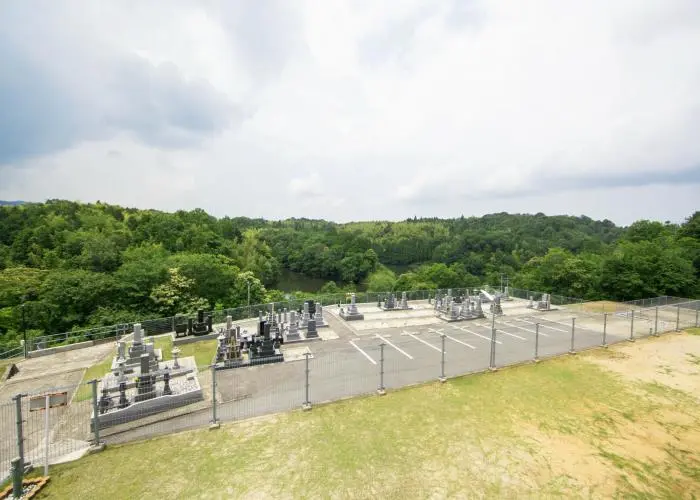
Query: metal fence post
95, 412
214, 424
20, 428
442, 358
381, 390
537, 342
492, 360
605, 329
656, 319
307, 404
17, 472
678, 318
631, 339
573, 330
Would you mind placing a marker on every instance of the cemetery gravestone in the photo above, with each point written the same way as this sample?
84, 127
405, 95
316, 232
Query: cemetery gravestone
351, 314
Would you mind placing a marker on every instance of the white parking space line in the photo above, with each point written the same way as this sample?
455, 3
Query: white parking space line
477, 334
523, 328
387, 341
510, 334
569, 325
439, 332
423, 341
459, 341
503, 331
363, 352
546, 325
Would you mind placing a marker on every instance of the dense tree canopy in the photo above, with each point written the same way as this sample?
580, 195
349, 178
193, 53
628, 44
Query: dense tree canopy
74, 265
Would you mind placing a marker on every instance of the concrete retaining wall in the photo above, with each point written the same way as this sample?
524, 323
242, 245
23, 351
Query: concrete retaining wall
146, 408
72, 347
192, 338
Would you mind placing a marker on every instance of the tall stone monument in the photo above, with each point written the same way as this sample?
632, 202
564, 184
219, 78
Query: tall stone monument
305, 316
293, 329
318, 316
351, 314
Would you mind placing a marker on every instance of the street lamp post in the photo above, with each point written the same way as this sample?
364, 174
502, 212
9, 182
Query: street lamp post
24, 333
248, 297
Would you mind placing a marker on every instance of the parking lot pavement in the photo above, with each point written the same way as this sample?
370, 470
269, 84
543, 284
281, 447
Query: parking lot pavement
360, 360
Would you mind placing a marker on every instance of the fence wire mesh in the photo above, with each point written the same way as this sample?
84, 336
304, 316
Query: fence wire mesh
359, 363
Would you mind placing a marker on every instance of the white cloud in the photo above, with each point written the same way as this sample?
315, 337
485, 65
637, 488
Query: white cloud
307, 187
362, 109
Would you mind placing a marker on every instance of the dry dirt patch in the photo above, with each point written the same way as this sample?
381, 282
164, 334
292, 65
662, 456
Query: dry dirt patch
670, 360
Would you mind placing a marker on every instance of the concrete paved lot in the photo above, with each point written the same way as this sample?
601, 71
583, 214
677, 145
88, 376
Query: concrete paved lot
350, 364
348, 360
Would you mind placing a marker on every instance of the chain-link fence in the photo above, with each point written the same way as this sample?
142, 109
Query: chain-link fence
158, 326
314, 373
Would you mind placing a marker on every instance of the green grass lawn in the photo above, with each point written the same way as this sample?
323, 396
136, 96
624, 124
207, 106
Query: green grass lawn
599, 306
202, 351
693, 331
564, 428
96, 371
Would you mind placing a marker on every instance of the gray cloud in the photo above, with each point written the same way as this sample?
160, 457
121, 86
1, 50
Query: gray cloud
163, 109
352, 109
52, 100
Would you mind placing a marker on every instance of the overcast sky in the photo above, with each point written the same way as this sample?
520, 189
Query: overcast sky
357, 109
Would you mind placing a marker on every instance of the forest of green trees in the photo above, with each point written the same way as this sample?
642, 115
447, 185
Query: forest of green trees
76, 265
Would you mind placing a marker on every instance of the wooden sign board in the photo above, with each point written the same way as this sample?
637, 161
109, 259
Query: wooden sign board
56, 399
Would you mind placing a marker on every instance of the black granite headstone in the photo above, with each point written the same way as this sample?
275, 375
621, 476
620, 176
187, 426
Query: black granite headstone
166, 379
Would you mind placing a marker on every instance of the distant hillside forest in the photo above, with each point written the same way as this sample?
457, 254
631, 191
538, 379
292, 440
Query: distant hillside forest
76, 265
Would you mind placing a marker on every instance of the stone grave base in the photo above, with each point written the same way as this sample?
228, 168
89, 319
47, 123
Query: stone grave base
242, 363
185, 388
134, 367
450, 319
396, 308
302, 340
535, 309
325, 325
352, 317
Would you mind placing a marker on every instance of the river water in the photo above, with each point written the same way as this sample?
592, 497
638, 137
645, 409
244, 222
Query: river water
291, 281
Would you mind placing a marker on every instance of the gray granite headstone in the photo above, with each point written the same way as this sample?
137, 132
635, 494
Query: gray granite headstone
318, 315
454, 311
311, 332
305, 317
145, 364
293, 330
121, 362
138, 339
